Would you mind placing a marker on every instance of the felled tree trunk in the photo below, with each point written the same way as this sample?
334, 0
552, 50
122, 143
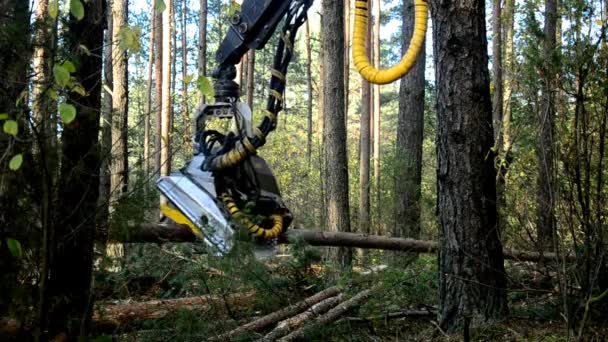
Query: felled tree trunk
330, 316
295, 322
123, 315
282, 314
160, 233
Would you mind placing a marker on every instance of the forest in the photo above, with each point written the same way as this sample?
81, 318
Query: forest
459, 195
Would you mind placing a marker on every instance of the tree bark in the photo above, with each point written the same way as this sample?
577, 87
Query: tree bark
105, 174
346, 59
282, 314
365, 146
149, 94
296, 322
120, 103
165, 152
472, 281
187, 135
376, 113
42, 104
14, 61
335, 132
158, 88
111, 317
504, 148
545, 226
497, 95
69, 285
329, 317
162, 233
250, 78
202, 44
308, 94
410, 130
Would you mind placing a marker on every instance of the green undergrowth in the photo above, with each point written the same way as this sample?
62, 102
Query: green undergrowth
402, 283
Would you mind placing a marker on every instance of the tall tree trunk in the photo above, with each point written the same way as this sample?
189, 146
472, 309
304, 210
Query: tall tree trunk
165, 152
202, 44
149, 94
42, 104
346, 58
308, 94
497, 103
545, 226
365, 145
105, 182
158, 88
335, 132
471, 266
120, 102
14, 61
250, 78
71, 301
321, 127
410, 131
185, 112
497, 69
172, 92
508, 71
376, 113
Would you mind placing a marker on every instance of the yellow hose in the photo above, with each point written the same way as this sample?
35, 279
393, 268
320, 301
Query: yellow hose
362, 63
253, 228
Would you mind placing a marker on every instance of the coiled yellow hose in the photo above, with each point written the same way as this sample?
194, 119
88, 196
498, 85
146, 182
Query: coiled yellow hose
253, 228
362, 63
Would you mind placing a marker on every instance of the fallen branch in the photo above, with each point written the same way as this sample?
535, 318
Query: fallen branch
160, 233
112, 316
330, 316
393, 315
277, 316
295, 322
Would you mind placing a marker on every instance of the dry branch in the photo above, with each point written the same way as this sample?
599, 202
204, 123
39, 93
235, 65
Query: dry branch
277, 316
120, 315
330, 316
295, 322
176, 233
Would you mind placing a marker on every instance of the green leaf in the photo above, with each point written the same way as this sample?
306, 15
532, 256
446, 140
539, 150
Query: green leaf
3, 116
67, 112
130, 38
52, 94
69, 66
77, 9
15, 163
160, 6
188, 79
11, 127
53, 9
79, 89
204, 86
14, 247
62, 76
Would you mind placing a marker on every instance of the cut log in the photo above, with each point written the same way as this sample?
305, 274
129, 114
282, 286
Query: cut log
280, 315
108, 317
296, 322
160, 233
330, 316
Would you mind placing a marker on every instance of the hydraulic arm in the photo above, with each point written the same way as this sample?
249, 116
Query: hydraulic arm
226, 185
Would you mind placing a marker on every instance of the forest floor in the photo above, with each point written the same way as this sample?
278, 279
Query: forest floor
184, 270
